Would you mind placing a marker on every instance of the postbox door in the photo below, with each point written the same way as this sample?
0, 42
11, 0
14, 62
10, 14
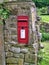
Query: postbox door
23, 32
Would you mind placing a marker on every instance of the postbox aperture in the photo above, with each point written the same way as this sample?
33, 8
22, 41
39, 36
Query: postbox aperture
23, 29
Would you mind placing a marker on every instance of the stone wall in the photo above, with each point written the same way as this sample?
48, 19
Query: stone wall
0, 45
15, 53
2, 52
45, 26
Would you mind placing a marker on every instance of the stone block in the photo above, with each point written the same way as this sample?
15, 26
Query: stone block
26, 63
22, 55
6, 38
19, 55
7, 47
12, 60
13, 43
13, 30
24, 50
30, 58
15, 50
31, 50
8, 54
12, 24
20, 61
7, 64
12, 64
16, 55
31, 64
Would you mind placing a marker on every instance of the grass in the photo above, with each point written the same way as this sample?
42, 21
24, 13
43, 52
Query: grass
45, 36
44, 18
45, 54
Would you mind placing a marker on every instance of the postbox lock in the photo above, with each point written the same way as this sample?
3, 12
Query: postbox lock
22, 27
23, 30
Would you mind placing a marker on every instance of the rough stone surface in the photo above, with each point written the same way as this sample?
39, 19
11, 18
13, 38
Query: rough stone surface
12, 60
26, 53
0, 45
20, 61
9, 54
12, 64
19, 55
45, 27
30, 58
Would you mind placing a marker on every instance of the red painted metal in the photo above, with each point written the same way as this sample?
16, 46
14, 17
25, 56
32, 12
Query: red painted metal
23, 29
22, 18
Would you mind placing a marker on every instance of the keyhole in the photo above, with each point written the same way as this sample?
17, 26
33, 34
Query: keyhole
22, 27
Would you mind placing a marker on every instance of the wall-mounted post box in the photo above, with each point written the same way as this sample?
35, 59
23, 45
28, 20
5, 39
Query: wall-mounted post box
23, 29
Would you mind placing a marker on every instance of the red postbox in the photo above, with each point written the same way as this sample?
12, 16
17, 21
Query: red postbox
23, 29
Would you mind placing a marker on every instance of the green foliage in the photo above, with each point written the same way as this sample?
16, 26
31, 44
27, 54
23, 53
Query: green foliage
45, 36
42, 10
44, 18
41, 3
43, 54
42, 30
4, 13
